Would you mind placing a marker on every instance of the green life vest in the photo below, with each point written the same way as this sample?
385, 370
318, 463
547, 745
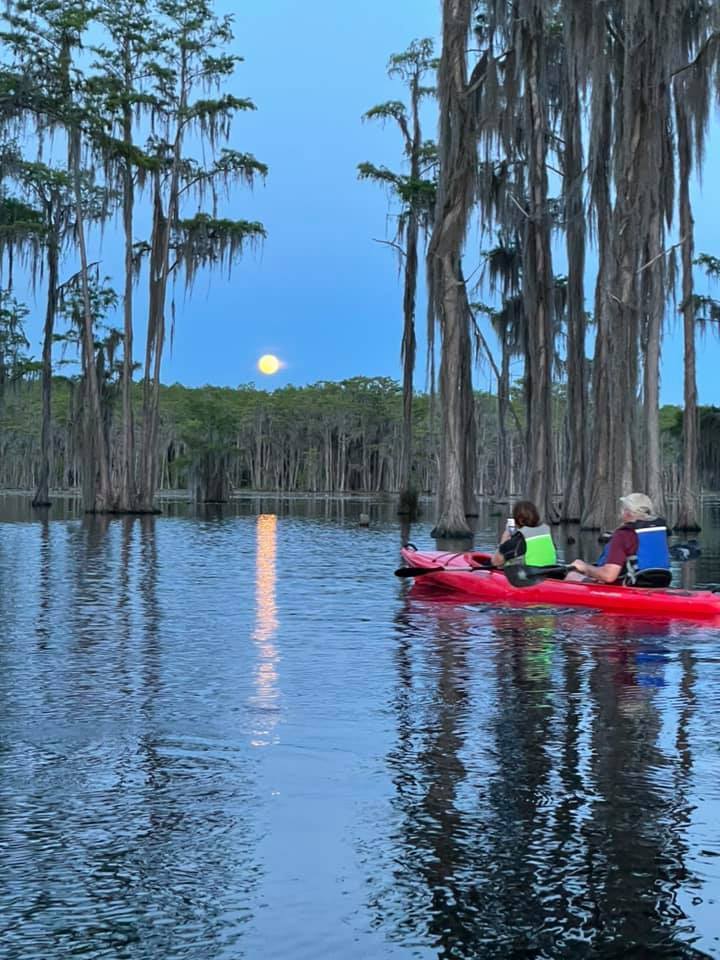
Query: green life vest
540, 550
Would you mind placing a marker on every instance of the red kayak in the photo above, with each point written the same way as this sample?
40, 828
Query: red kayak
465, 573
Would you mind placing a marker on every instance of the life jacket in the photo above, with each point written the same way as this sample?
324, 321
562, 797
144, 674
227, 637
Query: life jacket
652, 552
539, 547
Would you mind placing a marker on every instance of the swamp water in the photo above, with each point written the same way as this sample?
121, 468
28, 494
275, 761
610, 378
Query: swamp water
232, 733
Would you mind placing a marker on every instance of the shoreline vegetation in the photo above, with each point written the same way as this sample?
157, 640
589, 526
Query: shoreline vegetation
180, 495
566, 132
326, 439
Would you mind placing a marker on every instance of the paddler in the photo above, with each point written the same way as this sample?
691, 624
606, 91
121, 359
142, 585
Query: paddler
639, 545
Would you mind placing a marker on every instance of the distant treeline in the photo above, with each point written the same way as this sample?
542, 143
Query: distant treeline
330, 436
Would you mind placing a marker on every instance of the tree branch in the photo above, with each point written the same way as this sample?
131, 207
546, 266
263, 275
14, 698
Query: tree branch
662, 253
715, 35
496, 371
519, 206
613, 32
390, 243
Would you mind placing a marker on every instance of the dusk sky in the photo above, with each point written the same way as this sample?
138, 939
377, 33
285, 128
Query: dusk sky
321, 294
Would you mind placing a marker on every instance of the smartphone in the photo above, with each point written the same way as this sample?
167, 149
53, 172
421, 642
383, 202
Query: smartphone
510, 525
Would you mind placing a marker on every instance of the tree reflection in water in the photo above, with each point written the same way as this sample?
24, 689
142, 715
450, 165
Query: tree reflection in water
127, 821
542, 803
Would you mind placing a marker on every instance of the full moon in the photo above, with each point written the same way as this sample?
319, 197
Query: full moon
268, 364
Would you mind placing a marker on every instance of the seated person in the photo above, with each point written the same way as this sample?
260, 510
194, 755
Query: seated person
530, 543
639, 543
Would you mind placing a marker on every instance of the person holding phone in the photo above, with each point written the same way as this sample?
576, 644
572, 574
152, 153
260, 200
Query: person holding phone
525, 539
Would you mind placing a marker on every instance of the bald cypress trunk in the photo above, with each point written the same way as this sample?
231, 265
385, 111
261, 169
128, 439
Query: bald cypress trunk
127, 499
688, 506
416, 194
163, 223
622, 307
537, 273
42, 492
457, 418
502, 479
98, 492
153, 352
408, 491
448, 302
615, 371
576, 415
408, 494
622, 294
641, 41
654, 297
596, 511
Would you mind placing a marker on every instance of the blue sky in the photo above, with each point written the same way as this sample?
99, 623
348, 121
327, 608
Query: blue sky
321, 294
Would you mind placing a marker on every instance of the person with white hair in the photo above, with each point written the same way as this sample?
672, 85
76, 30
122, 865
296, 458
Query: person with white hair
638, 546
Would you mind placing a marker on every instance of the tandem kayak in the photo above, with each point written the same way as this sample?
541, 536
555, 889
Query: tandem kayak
464, 573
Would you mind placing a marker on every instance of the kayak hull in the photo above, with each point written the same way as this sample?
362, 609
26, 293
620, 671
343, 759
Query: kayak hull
459, 572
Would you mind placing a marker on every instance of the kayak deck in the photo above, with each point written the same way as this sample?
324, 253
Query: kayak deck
461, 572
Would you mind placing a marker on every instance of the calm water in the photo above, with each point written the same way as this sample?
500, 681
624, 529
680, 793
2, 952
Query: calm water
234, 733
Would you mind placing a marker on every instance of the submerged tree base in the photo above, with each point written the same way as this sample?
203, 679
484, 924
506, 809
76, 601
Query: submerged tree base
451, 533
136, 512
408, 504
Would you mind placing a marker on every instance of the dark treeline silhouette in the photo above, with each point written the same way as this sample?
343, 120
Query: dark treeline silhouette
331, 436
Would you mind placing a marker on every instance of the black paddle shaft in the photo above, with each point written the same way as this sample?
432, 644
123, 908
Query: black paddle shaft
421, 571
520, 575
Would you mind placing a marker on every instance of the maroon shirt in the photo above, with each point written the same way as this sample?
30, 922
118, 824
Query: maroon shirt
623, 544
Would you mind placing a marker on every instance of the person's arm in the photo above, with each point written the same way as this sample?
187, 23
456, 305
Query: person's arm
623, 544
607, 573
498, 558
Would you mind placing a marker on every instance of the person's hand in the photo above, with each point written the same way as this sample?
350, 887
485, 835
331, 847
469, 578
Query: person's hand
505, 535
580, 566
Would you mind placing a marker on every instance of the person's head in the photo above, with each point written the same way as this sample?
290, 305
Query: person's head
637, 506
525, 514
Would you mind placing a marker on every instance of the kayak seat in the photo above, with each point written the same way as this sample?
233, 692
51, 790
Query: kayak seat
653, 577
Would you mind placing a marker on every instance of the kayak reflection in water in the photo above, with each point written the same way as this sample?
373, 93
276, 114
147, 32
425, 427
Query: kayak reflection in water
525, 539
637, 552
